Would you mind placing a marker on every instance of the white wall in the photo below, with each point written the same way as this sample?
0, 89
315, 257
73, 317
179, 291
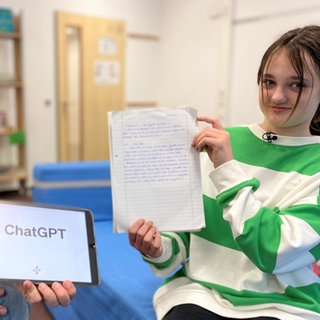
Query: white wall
195, 55
256, 25
180, 68
207, 55
39, 62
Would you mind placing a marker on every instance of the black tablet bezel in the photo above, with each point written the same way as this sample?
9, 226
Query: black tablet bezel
91, 242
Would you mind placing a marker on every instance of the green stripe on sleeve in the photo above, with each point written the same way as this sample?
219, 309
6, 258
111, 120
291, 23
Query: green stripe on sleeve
260, 239
225, 197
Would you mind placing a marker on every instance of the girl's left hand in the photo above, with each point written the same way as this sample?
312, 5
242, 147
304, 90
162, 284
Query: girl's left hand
215, 140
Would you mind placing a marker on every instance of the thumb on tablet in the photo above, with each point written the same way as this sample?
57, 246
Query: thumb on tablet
30, 291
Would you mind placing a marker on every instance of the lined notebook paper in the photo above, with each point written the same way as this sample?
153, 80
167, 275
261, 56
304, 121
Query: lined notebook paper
155, 172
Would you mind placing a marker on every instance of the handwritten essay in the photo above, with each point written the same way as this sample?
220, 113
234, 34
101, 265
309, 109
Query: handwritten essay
155, 173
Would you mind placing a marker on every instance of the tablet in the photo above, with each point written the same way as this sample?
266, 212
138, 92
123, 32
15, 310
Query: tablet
47, 244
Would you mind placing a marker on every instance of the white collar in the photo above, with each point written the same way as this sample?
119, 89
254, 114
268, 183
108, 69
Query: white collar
284, 140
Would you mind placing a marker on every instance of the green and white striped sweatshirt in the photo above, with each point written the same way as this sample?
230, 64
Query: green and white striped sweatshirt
254, 256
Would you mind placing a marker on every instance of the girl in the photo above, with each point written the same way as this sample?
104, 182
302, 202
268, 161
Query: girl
261, 196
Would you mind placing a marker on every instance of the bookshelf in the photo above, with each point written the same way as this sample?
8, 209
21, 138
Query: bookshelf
13, 115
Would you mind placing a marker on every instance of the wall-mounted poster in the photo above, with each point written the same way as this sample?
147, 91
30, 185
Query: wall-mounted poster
107, 72
108, 45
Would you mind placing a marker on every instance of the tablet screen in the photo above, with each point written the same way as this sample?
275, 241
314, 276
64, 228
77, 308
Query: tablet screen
47, 244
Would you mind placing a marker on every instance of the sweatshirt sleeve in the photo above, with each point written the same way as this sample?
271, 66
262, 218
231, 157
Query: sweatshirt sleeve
278, 239
175, 253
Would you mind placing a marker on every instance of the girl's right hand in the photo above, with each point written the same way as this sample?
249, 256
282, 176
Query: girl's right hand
145, 237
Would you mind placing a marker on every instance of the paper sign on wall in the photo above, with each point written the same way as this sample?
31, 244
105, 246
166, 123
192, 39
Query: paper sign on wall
108, 45
107, 72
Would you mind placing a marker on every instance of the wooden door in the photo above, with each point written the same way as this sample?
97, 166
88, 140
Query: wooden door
99, 76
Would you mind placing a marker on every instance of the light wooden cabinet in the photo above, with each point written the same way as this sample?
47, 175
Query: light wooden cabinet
12, 129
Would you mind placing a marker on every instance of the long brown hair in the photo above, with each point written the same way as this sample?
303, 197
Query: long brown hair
298, 42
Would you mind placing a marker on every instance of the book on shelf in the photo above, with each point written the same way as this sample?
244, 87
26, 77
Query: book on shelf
6, 21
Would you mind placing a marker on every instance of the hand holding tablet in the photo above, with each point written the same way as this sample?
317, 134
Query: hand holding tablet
47, 244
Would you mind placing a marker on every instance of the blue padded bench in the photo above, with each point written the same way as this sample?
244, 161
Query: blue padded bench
127, 283
82, 184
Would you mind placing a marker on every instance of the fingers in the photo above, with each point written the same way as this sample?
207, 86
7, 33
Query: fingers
70, 288
215, 123
215, 140
206, 137
54, 295
133, 230
50, 295
145, 238
58, 294
31, 292
140, 232
145, 235
156, 249
3, 310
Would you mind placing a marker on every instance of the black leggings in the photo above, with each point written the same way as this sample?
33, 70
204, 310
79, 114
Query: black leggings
194, 312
